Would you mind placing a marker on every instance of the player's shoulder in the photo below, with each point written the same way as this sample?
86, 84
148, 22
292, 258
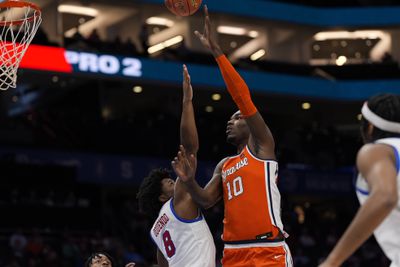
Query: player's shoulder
373, 152
220, 165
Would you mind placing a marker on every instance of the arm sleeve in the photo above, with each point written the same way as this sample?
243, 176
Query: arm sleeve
236, 86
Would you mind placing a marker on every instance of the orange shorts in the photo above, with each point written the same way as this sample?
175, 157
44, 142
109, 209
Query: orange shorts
257, 257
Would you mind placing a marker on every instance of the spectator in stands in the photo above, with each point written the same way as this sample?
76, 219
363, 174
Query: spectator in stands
144, 38
18, 243
102, 259
94, 38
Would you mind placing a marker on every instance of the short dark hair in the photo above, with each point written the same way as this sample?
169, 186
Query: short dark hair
150, 191
386, 106
98, 254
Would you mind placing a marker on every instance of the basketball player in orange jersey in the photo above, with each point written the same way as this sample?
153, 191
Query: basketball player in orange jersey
253, 231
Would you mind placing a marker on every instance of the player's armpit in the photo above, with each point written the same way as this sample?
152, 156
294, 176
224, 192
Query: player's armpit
162, 262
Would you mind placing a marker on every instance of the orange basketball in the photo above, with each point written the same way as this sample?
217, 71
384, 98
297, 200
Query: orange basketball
183, 8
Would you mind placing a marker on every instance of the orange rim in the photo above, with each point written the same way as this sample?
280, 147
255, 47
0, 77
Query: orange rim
19, 4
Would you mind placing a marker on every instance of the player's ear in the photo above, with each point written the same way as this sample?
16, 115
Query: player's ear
370, 129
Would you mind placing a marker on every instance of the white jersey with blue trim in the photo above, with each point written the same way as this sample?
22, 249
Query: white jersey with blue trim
184, 243
388, 232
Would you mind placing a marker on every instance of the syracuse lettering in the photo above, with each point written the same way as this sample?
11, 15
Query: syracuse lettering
237, 166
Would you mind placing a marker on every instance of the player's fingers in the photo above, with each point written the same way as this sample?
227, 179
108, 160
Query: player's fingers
180, 158
198, 34
183, 151
208, 26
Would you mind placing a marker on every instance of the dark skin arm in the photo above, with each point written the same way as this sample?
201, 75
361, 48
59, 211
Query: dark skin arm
261, 141
376, 162
184, 166
162, 262
184, 206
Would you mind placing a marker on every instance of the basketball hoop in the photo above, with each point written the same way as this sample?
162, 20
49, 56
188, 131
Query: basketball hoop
19, 21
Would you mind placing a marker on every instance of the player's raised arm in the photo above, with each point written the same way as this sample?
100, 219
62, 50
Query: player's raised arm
189, 139
261, 141
188, 131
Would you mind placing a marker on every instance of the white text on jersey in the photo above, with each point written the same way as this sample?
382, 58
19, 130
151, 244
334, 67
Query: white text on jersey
233, 169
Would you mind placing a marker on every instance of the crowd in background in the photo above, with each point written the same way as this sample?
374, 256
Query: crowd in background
314, 229
85, 219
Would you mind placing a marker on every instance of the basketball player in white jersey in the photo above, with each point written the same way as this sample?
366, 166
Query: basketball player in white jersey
378, 183
180, 230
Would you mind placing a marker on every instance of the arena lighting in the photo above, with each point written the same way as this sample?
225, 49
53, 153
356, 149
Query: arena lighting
306, 106
257, 55
216, 97
236, 31
80, 10
137, 89
340, 61
209, 109
159, 21
253, 34
322, 36
155, 48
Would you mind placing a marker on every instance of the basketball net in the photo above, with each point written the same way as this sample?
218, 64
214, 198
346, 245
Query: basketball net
19, 22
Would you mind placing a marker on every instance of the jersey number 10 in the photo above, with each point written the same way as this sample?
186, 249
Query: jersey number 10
237, 187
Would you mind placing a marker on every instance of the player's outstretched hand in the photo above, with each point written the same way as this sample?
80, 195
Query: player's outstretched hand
184, 165
187, 86
131, 264
206, 37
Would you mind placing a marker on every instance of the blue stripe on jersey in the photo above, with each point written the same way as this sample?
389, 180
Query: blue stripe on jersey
270, 194
364, 192
396, 154
182, 219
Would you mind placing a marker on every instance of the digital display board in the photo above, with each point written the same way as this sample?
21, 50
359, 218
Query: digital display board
61, 60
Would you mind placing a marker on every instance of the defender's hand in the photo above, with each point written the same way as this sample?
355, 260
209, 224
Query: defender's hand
184, 165
187, 86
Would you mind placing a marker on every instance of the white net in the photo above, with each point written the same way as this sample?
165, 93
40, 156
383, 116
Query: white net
19, 22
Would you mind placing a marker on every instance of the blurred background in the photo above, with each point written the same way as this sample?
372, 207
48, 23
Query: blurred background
98, 105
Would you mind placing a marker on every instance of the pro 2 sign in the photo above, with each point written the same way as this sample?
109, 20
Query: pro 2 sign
104, 64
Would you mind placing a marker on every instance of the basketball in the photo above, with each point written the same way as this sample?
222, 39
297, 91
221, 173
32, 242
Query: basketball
183, 8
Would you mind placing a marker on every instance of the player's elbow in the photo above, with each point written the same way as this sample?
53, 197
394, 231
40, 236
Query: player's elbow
389, 199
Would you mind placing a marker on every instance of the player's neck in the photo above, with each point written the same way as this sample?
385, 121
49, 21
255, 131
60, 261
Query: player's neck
240, 147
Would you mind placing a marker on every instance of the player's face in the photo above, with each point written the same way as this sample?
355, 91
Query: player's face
167, 187
237, 130
101, 260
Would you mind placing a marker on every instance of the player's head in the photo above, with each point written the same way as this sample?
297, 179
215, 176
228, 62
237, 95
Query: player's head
157, 188
99, 259
237, 131
380, 117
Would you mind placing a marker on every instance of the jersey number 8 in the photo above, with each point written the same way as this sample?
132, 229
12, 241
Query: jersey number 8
168, 244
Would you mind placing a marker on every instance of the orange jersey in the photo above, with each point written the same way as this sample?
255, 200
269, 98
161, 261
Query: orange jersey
251, 198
